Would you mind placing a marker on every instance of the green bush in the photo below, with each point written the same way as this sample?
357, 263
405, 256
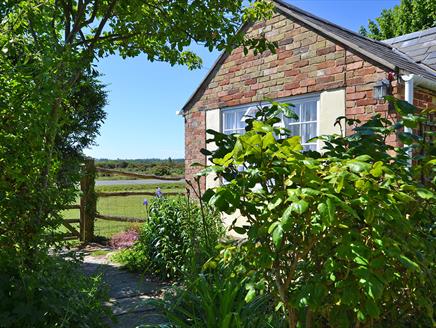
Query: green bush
219, 297
177, 239
53, 294
342, 238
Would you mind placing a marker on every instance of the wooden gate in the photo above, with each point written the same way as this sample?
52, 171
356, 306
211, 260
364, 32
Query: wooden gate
88, 201
87, 207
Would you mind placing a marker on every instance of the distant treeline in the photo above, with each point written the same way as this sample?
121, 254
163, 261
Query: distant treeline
155, 166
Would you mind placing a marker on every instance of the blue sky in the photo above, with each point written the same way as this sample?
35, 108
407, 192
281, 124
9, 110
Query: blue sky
144, 97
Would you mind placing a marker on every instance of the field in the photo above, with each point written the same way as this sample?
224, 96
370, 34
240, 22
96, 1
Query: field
128, 206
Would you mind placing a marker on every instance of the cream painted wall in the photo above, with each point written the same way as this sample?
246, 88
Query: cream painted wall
332, 105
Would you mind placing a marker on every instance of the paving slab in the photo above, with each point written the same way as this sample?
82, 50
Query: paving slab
131, 295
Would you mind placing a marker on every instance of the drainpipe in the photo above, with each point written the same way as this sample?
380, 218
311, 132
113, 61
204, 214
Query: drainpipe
409, 91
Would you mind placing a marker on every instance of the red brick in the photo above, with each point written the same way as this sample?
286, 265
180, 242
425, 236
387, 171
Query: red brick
325, 51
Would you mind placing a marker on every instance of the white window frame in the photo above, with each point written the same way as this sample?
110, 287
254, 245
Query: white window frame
292, 100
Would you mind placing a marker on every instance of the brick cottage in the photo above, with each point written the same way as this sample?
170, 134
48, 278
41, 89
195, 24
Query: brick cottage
325, 70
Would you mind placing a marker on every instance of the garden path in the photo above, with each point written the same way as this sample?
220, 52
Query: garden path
130, 294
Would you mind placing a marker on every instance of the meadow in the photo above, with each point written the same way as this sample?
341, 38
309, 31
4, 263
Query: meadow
126, 206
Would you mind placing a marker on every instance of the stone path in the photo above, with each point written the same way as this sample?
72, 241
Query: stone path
130, 294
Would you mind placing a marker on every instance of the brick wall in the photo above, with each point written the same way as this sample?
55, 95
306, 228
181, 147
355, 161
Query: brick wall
195, 139
304, 63
424, 98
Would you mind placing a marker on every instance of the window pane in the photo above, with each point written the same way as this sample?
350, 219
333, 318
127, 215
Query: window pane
308, 131
229, 120
240, 122
308, 111
295, 129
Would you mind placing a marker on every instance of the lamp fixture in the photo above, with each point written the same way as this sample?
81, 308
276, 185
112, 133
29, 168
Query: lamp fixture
381, 89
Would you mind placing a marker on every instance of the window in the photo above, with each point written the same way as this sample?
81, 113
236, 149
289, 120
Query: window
234, 120
306, 126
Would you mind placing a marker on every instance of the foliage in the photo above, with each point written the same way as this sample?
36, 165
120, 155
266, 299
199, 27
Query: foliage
145, 166
343, 237
217, 297
407, 17
175, 241
47, 50
54, 294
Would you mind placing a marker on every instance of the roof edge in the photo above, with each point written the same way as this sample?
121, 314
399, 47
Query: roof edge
301, 16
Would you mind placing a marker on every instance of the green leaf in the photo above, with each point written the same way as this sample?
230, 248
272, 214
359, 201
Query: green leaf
273, 226
250, 295
408, 263
425, 193
277, 235
377, 169
240, 230
286, 219
299, 207
357, 166
371, 308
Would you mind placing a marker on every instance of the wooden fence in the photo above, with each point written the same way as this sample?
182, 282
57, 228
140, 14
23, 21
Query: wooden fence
88, 200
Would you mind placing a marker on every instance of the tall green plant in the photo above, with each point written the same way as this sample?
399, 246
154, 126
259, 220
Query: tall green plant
177, 239
343, 237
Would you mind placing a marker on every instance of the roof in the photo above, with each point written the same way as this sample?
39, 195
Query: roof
420, 46
383, 53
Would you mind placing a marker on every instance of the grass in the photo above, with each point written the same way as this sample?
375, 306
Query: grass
166, 187
126, 206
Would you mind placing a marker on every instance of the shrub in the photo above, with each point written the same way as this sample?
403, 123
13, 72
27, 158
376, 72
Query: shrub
218, 297
176, 240
53, 294
342, 238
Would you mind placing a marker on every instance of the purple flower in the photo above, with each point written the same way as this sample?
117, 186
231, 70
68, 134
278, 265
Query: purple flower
145, 202
159, 193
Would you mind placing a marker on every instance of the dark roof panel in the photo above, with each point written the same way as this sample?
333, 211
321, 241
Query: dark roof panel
420, 46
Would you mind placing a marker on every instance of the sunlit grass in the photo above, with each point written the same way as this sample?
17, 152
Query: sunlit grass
125, 206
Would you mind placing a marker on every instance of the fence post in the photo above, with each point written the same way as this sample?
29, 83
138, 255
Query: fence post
88, 201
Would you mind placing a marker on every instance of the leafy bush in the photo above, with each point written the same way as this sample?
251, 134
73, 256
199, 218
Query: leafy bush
218, 298
176, 240
53, 294
342, 238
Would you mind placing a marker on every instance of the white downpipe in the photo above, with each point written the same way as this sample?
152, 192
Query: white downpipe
409, 91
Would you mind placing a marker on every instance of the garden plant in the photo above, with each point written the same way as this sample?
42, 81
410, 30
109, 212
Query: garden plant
51, 107
341, 237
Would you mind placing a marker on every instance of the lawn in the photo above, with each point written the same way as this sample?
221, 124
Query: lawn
126, 206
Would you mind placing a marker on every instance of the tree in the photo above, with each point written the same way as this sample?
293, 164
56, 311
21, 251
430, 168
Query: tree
407, 17
47, 51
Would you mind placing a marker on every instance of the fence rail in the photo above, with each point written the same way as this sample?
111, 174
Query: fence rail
119, 218
88, 201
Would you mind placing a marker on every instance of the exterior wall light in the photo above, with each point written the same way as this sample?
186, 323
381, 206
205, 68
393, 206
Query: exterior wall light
381, 89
